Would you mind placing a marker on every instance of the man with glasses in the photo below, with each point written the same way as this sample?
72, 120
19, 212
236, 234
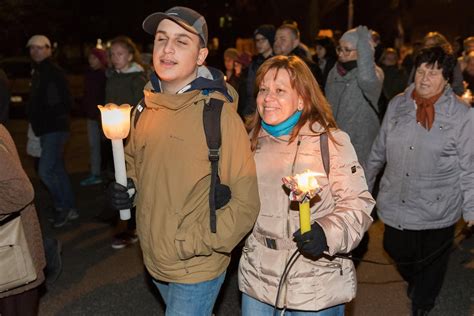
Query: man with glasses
264, 36
353, 88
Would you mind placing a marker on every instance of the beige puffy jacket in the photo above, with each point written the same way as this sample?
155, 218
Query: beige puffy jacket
343, 211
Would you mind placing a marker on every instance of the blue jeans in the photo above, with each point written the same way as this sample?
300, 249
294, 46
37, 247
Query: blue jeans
253, 307
52, 171
195, 299
94, 135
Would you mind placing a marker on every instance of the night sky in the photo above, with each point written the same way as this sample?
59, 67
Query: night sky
80, 22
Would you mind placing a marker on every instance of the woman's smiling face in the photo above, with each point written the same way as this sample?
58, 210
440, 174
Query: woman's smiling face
277, 100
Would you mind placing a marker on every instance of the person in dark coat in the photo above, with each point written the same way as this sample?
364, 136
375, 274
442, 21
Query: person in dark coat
395, 78
287, 43
325, 57
94, 94
48, 113
264, 37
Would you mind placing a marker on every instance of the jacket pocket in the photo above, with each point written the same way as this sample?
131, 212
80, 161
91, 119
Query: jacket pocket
325, 282
438, 204
193, 241
161, 231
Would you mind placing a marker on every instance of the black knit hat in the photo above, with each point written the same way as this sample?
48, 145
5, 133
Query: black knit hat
268, 31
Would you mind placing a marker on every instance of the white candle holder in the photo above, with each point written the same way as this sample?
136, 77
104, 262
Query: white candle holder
116, 126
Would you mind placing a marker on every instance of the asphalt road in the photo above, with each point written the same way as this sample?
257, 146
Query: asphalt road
98, 280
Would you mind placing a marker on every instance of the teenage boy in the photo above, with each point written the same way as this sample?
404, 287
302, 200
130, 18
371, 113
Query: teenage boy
168, 165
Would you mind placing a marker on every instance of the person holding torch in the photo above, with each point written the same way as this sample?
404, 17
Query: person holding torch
168, 163
289, 130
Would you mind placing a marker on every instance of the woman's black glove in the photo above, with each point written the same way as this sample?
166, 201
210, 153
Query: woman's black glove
222, 194
118, 197
312, 243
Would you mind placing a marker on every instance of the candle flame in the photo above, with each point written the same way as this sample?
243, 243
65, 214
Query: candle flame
307, 181
467, 96
115, 120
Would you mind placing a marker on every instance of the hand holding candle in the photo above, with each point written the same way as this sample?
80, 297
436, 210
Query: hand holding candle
303, 188
116, 126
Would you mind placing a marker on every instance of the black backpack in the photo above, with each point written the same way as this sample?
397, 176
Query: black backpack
211, 117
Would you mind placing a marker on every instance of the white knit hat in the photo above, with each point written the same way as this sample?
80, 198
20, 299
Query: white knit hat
38, 40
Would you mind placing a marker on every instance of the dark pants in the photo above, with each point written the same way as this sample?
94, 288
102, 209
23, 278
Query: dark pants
424, 278
23, 304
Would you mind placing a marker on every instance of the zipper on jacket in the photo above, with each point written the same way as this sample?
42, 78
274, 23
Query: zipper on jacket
288, 220
292, 173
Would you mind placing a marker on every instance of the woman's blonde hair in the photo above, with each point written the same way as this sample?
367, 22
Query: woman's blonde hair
438, 39
131, 47
315, 106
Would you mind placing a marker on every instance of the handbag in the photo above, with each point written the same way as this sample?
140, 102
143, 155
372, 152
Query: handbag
16, 265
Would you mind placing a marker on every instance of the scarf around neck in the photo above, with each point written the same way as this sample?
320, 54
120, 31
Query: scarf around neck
344, 68
425, 111
284, 128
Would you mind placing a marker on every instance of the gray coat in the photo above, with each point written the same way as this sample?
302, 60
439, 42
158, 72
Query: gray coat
429, 175
354, 98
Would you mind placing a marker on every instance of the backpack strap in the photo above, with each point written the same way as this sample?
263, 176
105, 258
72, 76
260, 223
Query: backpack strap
211, 116
323, 142
139, 108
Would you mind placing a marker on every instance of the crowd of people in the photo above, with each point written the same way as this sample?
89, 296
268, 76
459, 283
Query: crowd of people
208, 149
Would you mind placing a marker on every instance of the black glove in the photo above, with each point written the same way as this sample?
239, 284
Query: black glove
312, 243
118, 197
222, 194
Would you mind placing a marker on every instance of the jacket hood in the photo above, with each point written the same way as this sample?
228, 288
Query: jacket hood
208, 80
133, 69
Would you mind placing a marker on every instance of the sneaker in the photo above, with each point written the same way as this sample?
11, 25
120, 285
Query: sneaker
91, 180
73, 214
123, 240
60, 218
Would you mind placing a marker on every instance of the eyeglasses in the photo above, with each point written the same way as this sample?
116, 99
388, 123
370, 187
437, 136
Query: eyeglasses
344, 50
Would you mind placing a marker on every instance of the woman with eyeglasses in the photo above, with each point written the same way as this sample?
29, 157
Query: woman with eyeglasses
353, 88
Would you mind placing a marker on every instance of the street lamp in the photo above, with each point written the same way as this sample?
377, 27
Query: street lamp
116, 126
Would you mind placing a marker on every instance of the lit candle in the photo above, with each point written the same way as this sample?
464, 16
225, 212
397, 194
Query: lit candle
467, 96
307, 184
116, 126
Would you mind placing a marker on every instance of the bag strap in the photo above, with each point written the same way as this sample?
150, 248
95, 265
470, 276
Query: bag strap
211, 116
212, 128
323, 142
139, 108
4, 219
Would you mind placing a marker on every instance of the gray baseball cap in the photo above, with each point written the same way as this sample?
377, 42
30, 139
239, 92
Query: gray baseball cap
187, 18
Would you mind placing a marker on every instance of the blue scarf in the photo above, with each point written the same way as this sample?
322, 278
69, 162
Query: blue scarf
284, 128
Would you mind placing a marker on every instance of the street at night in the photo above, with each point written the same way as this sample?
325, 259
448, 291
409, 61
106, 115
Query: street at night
237, 157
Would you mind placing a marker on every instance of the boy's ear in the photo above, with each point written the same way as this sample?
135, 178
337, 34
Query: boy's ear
202, 56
